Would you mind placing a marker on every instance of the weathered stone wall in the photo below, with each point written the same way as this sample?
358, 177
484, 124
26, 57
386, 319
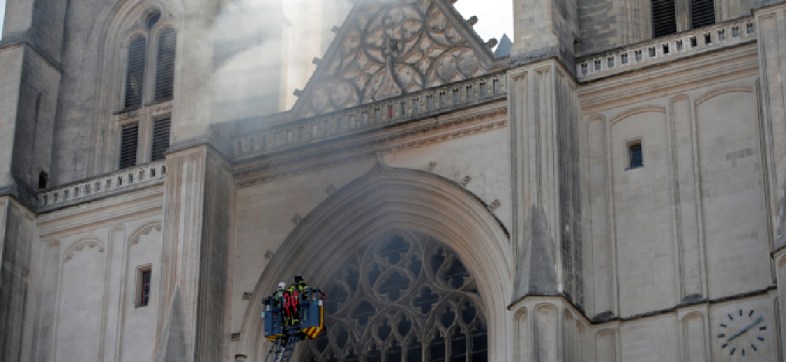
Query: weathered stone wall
17, 235
84, 286
685, 235
607, 24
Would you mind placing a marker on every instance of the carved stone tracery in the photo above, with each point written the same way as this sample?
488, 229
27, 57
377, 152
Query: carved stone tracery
404, 297
79, 246
388, 49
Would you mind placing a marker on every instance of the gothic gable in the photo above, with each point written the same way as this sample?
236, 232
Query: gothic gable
387, 48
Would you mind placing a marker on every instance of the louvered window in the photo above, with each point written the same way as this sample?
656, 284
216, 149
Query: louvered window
128, 146
148, 92
165, 71
664, 18
702, 13
160, 139
135, 74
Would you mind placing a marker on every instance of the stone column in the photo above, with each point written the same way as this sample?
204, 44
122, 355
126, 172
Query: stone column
547, 204
538, 330
197, 210
771, 25
17, 234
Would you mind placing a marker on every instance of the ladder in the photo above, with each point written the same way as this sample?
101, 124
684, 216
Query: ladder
282, 348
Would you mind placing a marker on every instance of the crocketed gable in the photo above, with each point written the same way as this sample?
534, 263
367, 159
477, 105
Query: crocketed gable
388, 48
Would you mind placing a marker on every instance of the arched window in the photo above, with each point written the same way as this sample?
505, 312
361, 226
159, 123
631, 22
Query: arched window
405, 297
135, 73
144, 129
165, 66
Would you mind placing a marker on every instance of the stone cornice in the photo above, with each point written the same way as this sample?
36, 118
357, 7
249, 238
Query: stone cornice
103, 186
100, 213
688, 73
370, 117
415, 134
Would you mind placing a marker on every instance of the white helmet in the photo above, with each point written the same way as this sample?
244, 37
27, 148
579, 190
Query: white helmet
282, 285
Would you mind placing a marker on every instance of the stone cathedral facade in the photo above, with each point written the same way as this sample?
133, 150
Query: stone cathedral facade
612, 188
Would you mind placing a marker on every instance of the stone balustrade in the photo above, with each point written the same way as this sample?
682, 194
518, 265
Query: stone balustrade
376, 115
102, 186
666, 49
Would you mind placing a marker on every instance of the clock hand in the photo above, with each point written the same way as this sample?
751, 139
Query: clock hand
745, 329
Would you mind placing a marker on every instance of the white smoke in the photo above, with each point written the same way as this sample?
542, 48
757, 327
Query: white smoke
264, 51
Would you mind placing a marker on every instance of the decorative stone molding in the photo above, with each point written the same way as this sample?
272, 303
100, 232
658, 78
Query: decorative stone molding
81, 245
431, 166
374, 116
389, 48
465, 181
666, 49
417, 134
452, 135
145, 230
103, 186
494, 205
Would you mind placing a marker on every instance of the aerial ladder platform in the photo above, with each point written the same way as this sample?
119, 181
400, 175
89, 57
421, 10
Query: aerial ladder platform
292, 314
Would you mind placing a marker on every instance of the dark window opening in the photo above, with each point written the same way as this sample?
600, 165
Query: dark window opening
160, 139
165, 70
128, 146
135, 74
702, 13
43, 180
664, 18
635, 156
143, 295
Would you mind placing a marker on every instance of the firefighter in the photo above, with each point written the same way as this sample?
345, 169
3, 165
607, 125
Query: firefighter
282, 300
294, 301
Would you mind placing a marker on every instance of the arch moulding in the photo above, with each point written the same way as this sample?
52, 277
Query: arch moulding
388, 199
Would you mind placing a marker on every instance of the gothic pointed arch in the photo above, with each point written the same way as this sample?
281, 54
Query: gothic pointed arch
428, 213
121, 91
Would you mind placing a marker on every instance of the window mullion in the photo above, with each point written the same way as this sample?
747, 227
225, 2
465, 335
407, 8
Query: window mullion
150, 70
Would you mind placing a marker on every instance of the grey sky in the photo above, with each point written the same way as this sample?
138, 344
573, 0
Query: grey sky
495, 17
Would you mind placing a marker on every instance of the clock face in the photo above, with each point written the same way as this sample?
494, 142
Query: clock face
742, 332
